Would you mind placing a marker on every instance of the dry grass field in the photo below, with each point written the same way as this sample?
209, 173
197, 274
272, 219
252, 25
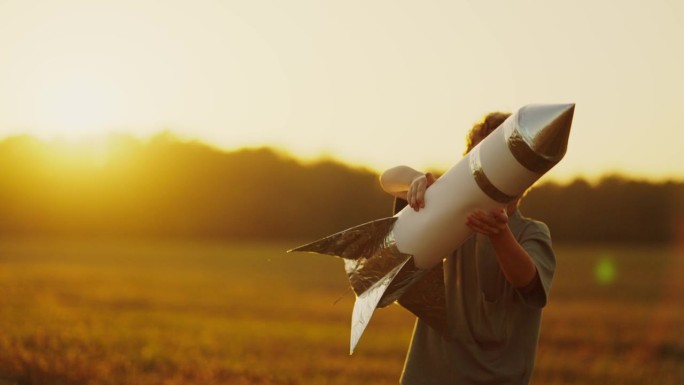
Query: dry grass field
104, 312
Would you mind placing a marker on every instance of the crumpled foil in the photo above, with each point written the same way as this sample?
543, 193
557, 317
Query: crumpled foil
380, 274
426, 298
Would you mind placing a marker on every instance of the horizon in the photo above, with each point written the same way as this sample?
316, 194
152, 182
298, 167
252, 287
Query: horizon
98, 150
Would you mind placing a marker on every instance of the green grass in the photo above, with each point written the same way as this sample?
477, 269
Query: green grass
98, 312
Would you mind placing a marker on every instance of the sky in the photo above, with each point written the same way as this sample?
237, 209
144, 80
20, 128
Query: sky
369, 82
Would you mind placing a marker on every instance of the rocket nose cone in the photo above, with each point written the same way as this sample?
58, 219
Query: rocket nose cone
546, 128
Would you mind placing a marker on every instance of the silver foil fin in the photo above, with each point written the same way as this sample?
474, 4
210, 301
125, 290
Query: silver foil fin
353, 243
378, 272
366, 303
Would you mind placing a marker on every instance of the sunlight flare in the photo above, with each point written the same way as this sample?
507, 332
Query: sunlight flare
77, 105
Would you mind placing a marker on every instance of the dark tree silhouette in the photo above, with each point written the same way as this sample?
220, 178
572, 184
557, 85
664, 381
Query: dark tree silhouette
165, 188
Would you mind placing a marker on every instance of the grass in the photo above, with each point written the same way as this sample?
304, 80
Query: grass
104, 312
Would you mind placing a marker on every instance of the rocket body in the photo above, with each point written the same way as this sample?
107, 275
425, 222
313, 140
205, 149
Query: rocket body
439, 228
490, 176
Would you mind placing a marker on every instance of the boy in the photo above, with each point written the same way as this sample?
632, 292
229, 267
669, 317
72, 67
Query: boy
496, 284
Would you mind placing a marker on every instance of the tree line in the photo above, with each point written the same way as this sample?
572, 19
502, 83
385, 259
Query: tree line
168, 188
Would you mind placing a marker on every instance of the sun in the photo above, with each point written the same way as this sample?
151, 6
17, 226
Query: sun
77, 103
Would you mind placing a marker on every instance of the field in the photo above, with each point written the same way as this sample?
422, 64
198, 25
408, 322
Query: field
105, 312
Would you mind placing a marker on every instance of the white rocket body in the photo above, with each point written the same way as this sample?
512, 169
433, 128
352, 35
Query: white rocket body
435, 231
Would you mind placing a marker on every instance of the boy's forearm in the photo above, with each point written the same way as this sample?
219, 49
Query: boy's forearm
516, 265
397, 179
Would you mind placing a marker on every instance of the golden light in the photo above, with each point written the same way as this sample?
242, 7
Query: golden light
76, 104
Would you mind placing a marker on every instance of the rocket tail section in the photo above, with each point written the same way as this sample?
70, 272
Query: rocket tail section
378, 272
368, 252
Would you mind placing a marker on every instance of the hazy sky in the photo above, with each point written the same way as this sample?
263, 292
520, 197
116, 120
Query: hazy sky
369, 82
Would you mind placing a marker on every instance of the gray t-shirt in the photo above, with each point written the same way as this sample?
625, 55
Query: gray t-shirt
493, 327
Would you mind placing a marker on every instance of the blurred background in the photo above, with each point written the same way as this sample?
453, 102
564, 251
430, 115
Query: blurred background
156, 161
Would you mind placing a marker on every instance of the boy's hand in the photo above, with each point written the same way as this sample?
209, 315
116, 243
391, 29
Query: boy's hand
490, 223
416, 192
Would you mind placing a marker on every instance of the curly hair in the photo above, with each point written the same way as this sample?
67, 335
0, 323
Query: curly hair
483, 128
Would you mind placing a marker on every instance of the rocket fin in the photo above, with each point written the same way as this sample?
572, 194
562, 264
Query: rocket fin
378, 272
367, 302
353, 243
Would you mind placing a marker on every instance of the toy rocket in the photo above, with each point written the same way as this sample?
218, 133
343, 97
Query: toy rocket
399, 258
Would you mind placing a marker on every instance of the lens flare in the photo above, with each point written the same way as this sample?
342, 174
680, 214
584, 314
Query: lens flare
604, 270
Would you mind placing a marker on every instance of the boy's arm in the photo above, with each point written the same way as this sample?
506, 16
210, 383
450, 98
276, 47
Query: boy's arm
515, 263
407, 183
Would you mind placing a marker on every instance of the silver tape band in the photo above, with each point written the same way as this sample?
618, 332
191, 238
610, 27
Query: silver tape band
526, 156
483, 182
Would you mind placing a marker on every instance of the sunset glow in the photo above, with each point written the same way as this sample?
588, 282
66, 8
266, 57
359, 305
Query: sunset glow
76, 105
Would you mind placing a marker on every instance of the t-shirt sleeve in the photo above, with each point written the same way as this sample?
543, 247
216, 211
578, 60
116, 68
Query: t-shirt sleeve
536, 240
